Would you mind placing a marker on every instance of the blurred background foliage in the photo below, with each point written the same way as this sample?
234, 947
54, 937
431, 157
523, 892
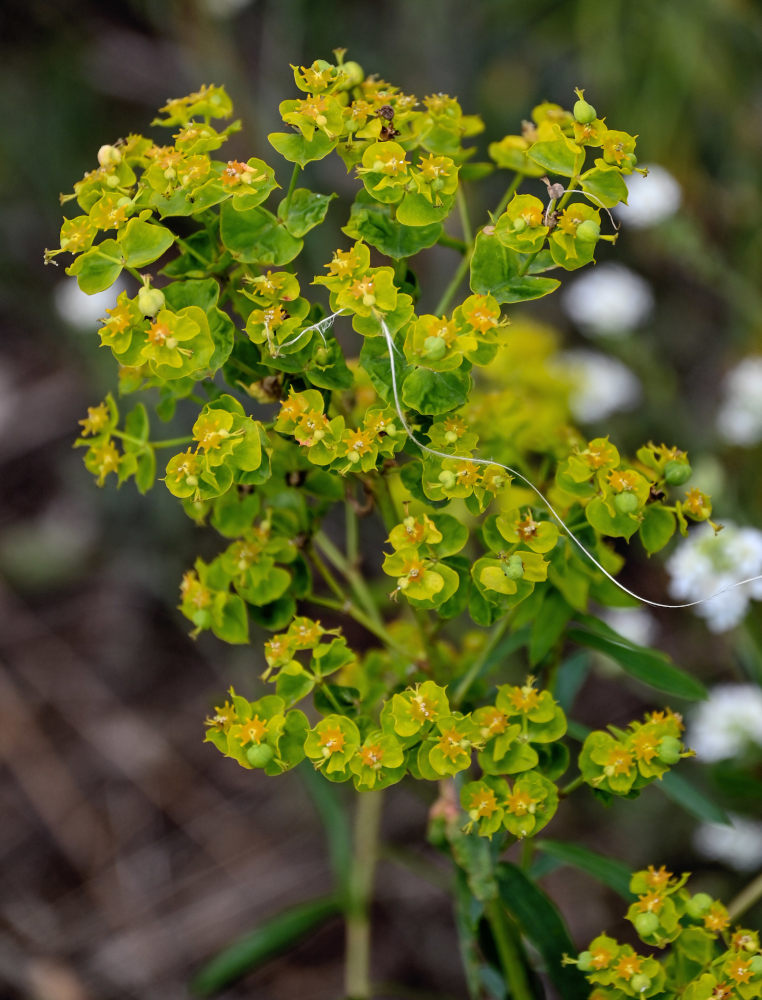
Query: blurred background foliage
131, 852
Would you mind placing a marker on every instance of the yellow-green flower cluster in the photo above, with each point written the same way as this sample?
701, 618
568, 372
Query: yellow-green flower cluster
621, 762
707, 960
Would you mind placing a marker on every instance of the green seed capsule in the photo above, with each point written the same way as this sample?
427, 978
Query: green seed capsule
640, 982
584, 113
355, 74
109, 156
447, 479
519, 225
584, 961
646, 924
434, 348
514, 568
677, 473
588, 231
150, 300
698, 905
669, 750
259, 755
321, 356
626, 503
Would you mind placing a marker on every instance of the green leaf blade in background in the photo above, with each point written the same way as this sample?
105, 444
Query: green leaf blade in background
608, 871
648, 666
541, 922
684, 793
271, 938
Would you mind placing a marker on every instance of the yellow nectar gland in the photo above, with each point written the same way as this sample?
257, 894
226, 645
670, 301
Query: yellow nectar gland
332, 740
519, 803
358, 442
482, 319
253, 731
483, 804
421, 709
645, 745
619, 761
415, 530
313, 108
363, 289
601, 958
96, 419
628, 966
696, 502
223, 716
740, 970
527, 528
622, 479
292, 408
210, 434
372, 756
651, 902
238, 173
596, 455
722, 991
343, 263
467, 473
308, 635
717, 918
451, 743
525, 698
532, 216
493, 723
412, 570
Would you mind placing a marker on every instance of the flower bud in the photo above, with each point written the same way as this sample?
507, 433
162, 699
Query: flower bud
109, 156
646, 924
640, 982
698, 905
669, 750
150, 300
584, 961
676, 473
434, 348
626, 503
514, 568
584, 113
588, 231
259, 755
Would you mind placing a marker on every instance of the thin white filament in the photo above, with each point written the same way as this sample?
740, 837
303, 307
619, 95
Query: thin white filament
321, 326
518, 475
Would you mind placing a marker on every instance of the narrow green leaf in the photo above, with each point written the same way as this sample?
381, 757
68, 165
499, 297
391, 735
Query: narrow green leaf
646, 665
548, 625
540, 921
685, 794
269, 939
609, 871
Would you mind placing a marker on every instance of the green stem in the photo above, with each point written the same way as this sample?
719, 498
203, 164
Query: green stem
352, 533
340, 562
477, 666
330, 696
509, 193
746, 898
135, 273
454, 244
361, 875
507, 943
465, 219
170, 443
187, 248
291, 186
454, 285
345, 607
527, 853
572, 786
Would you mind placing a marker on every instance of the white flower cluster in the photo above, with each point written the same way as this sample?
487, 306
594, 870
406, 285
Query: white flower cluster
608, 301
81, 310
738, 846
650, 199
727, 723
600, 385
705, 563
739, 420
